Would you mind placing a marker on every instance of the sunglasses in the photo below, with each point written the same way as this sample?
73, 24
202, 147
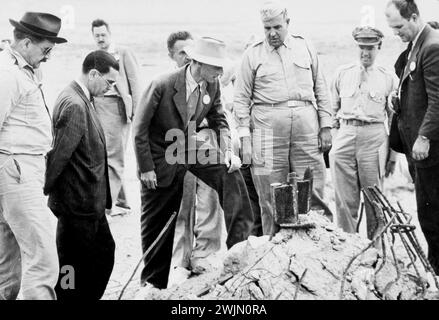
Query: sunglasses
45, 51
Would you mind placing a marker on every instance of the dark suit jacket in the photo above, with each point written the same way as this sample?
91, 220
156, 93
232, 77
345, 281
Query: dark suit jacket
419, 102
77, 172
162, 108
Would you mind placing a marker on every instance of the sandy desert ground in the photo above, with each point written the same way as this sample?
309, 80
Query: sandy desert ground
144, 26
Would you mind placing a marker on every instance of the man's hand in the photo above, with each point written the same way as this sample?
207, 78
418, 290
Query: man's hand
390, 167
393, 101
325, 139
149, 179
246, 150
421, 148
232, 162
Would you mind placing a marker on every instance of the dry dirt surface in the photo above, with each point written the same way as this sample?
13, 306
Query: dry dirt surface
323, 252
306, 264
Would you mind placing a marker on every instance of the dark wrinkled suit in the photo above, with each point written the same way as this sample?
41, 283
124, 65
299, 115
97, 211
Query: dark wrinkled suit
163, 107
419, 115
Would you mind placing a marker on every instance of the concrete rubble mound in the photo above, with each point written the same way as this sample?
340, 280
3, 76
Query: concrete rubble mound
305, 264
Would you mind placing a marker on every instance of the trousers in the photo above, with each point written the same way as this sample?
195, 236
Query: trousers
116, 129
28, 256
158, 205
199, 226
285, 140
427, 200
86, 246
355, 164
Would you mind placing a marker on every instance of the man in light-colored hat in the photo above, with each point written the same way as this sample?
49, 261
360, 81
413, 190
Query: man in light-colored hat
199, 225
171, 111
28, 254
281, 91
359, 156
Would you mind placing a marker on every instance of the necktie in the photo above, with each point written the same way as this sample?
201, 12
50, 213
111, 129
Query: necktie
363, 78
192, 103
409, 49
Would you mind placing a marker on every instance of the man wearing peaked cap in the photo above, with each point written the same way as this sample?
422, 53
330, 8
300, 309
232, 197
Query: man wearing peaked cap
281, 94
360, 94
170, 112
28, 256
367, 36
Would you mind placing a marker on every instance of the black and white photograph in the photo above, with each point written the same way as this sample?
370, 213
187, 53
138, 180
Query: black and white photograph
226, 154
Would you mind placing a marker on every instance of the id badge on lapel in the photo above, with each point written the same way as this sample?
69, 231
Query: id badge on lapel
412, 68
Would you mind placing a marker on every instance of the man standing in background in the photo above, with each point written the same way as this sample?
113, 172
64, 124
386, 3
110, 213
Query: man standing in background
116, 110
28, 257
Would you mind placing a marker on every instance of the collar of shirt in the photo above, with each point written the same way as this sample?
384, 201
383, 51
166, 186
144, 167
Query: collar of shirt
112, 49
287, 43
416, 39
84, 89
368, 69
191, 84
19, 60
418, 35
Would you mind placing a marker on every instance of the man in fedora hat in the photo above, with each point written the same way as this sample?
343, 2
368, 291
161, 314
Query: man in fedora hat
199, 225
359, 157
171, 110
28, 254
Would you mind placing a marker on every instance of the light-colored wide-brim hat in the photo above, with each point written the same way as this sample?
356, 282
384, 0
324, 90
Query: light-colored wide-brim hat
209, 51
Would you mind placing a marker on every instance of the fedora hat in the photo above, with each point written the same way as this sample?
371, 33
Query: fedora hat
209, 51
43, 25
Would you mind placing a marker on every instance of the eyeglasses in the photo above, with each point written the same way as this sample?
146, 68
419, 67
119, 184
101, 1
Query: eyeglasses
45, 51
110, 83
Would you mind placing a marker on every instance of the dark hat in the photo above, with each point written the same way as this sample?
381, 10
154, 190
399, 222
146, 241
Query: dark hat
43, 25
367, 36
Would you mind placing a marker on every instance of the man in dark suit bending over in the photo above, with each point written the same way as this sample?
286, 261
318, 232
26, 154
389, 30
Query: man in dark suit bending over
77, 182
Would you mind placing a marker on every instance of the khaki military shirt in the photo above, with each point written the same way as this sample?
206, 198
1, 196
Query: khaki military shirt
366, 101
269, 76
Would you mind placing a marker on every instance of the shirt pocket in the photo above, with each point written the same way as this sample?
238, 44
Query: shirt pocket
376, 104
267, 70
33, 104
303, 71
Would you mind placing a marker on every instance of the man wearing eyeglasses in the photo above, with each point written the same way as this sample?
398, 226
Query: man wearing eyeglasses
77, 182
28, 258
116, 109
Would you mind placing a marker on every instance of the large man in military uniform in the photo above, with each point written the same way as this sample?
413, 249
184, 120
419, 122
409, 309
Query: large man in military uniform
358, 158
281, 90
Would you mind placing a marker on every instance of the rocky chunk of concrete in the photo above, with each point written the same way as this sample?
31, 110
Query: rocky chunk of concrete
306, 264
